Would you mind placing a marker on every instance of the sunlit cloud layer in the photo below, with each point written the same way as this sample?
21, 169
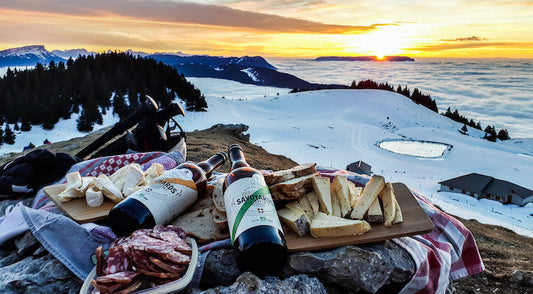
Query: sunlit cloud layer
306, 28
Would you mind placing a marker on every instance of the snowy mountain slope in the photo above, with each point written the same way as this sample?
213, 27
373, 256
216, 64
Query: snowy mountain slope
74, 53
27, 56
337, 127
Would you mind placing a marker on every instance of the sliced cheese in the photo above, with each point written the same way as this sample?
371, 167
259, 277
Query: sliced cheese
104, 184
335, 202
370, 193
313, 200
322, 190
389, 204
295, 219
154, 171
118, 178
340, 186
134, 176
306, 206
374, 214
93, 196
355, 193
324, 225
74, 183
398, 218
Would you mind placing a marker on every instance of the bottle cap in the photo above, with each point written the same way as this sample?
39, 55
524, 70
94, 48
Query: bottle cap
234, 146
223, 154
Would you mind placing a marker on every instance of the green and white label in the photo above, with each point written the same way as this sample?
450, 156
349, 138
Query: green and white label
249, 204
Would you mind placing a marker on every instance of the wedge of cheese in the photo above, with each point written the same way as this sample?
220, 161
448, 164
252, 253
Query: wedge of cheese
370, 193
355, 193
398, 218
313, 200
306, 206
374, 214
295, 219
340, 186
322, 190
335, 202
324, 225
389, 204
74, 183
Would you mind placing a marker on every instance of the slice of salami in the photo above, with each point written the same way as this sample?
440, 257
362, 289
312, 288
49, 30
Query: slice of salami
149, 244
176, 257
179, 244
130, 288
101, 263
160, 275
117, 260
167, 266
120, 277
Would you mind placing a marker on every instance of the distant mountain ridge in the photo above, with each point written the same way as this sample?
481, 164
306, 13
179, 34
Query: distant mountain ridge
246, 69
27, 56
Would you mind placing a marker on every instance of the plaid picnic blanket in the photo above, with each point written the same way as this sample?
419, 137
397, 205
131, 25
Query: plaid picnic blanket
448, 253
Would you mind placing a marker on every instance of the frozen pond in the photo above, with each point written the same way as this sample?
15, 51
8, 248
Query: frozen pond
415, 148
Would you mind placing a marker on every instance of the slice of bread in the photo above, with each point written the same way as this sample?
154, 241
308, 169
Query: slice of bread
198, 224
370, 193
293, 188
322, 190
295, 219
288, 174
324, 225
218, 196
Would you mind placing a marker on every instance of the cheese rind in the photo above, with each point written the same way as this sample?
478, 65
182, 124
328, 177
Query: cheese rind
374, 214
370, 193
324, 225
295, 219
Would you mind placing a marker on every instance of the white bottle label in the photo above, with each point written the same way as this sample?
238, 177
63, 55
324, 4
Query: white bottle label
249, 204
170, 194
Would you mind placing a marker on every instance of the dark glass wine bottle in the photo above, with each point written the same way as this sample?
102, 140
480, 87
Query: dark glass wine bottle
169, 195
255, 231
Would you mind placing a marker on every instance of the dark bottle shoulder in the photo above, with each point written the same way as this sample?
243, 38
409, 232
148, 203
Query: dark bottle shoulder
240, 173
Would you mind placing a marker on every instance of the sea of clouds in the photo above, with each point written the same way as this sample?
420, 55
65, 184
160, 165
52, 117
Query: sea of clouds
498, 92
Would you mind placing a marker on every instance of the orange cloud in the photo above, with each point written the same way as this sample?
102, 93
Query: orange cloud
186, 12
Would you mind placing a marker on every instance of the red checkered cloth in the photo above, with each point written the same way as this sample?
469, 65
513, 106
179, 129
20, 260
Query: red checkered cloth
448, 253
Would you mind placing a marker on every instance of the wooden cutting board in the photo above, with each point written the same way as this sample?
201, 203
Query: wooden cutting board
415, 221
77, 208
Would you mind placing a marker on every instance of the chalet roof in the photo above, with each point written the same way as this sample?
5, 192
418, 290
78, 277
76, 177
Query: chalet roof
471, 182
479, 183
500, 187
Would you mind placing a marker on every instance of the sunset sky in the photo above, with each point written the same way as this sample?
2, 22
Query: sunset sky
303, 28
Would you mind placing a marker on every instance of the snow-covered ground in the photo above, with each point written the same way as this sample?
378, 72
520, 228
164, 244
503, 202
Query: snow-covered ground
337, 127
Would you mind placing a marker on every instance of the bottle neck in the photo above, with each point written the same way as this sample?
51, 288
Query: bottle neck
213, 163
237, 158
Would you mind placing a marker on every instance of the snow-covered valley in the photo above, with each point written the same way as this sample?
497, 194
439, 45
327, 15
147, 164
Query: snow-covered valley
337, 127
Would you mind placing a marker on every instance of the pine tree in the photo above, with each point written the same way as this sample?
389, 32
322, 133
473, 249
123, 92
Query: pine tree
83, 123
503, 135
9, 136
